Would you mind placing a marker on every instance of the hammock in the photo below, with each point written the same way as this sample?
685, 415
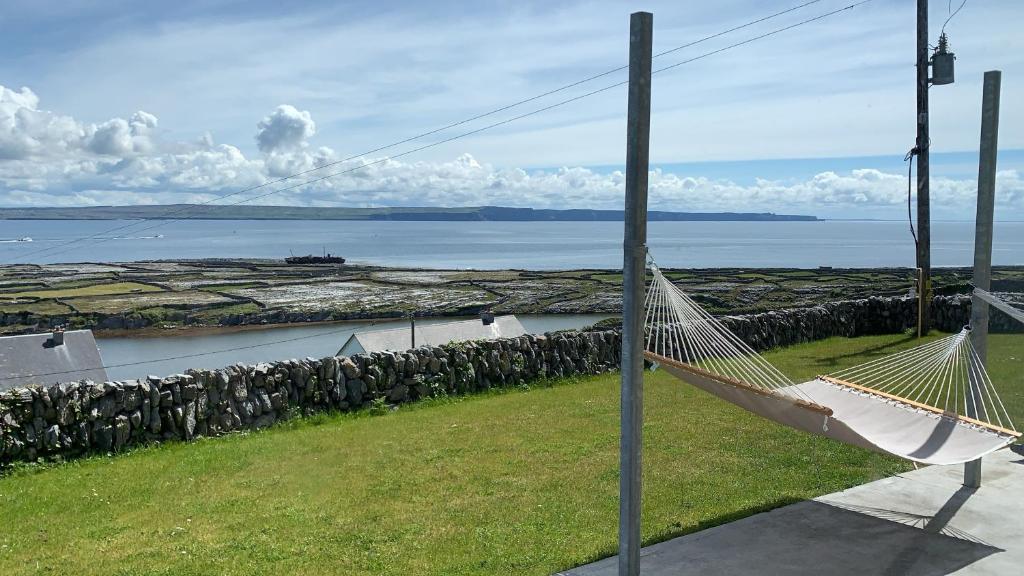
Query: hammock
933, 404
1010, 311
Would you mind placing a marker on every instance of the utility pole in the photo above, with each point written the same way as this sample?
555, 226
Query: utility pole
634, 268
924, 252
983, 248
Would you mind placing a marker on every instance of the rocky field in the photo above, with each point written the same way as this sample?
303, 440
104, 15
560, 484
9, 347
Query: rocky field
171, 294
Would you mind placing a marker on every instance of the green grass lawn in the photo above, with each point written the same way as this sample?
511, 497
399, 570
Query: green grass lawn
523, 482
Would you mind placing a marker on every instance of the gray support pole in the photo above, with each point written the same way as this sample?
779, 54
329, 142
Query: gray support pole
924, 235
983, 246
634, 268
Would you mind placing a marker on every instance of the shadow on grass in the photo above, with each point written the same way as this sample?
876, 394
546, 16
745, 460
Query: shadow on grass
867, 354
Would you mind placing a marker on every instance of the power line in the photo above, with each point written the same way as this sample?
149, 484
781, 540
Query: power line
487, 127
762, 36
411, 138
949, 5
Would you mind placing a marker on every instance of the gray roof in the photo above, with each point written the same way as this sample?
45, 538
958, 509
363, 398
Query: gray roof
33, 359
397, 339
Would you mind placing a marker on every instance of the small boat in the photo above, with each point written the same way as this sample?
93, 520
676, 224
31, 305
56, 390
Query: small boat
25, 239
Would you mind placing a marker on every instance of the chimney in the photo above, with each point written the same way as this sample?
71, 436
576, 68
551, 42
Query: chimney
57, 336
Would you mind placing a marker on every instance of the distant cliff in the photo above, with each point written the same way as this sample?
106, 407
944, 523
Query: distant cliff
478, 213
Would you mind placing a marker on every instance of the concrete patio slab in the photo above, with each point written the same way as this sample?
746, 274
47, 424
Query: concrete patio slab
920, 523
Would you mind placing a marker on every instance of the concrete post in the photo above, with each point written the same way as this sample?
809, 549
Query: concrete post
924, 234
634, 267
983, 246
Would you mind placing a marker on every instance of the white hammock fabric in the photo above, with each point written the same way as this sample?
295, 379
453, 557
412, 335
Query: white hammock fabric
933, 404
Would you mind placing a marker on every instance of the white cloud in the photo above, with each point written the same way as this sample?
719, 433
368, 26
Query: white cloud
112, 138
45, 152
50, 159
287, 128
26, 131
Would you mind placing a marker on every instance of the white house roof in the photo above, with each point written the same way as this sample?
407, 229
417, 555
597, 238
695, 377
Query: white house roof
396, 339
34, 359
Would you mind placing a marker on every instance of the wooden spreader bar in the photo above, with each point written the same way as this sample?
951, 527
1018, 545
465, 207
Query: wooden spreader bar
736, 383
939, 411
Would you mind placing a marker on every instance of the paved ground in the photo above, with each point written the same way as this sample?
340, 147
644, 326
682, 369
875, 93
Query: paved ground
921, 523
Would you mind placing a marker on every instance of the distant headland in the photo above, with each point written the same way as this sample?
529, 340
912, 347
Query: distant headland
473, 213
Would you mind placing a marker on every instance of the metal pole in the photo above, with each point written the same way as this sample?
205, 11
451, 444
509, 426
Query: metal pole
924, 258
412, 331
634, 268
983, 247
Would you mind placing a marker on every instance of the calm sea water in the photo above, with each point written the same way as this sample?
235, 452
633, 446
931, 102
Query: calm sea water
530, 245
128, 358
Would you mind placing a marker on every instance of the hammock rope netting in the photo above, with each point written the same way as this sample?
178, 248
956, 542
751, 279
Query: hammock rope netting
933, 404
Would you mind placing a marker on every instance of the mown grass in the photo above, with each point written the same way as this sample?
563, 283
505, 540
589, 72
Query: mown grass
90, 290
523, 482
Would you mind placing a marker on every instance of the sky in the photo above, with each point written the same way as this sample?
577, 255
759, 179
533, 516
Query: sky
120, 102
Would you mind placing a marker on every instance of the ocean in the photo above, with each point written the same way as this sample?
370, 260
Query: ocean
497, 245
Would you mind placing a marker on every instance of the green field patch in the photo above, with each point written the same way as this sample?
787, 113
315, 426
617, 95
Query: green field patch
805, 282
90, 281
682, 277
758, 276
802, 273
41, 307
19, 287
88, 290
116, 304
569, 274
213, 315
157, 314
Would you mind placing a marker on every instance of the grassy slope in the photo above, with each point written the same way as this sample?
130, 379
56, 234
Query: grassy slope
523, 482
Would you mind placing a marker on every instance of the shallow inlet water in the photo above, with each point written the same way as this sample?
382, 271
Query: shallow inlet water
129, 357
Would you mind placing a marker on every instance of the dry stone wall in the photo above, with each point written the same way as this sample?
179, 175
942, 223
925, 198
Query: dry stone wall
852, 318
76, 418
82, 417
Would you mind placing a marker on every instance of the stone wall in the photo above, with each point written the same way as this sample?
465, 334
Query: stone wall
856, 318
78, 418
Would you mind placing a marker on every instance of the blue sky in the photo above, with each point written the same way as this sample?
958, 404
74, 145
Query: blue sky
130, 102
